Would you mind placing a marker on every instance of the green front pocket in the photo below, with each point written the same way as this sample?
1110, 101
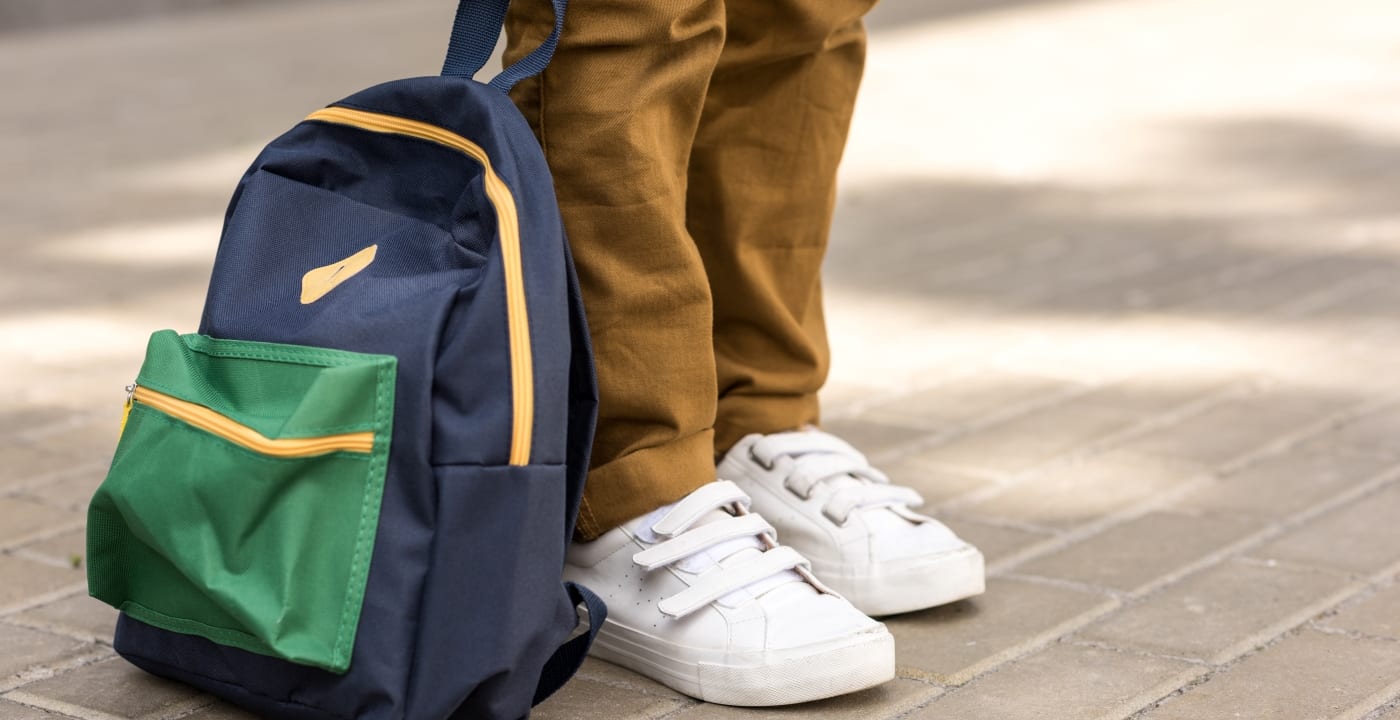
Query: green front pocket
243, 499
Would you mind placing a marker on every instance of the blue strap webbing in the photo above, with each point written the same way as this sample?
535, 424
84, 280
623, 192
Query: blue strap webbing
566, 660
475, 31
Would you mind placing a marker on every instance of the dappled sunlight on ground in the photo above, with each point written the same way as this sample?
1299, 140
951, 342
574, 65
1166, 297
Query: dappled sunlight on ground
1115, 284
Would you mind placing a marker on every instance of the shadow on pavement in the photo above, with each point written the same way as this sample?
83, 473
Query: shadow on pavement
1194, 246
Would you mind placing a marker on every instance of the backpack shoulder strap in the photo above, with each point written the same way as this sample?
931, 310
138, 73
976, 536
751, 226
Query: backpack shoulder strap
475, 31
569, 657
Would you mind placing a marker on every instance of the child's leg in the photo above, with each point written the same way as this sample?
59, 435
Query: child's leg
616, 112
759, 205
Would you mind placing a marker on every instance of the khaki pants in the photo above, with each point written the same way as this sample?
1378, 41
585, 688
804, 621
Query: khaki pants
694, 146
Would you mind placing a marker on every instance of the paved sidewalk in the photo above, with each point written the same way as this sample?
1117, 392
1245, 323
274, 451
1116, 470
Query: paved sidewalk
1115, 284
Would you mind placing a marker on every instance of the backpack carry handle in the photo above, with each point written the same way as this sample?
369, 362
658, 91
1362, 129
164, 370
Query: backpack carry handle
475, 31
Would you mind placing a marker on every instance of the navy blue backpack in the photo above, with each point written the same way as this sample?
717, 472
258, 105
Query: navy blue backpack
349, 495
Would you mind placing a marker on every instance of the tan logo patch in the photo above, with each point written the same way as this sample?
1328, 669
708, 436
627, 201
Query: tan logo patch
319, 281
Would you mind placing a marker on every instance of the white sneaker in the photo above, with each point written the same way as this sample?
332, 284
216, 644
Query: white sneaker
863, 539
702, 599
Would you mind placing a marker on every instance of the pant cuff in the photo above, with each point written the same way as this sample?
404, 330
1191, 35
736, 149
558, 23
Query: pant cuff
740, 415
642, 481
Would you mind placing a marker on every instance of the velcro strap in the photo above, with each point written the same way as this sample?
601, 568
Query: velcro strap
701, 538
846, 500
721, 581
795, 444
814, 469
712, 496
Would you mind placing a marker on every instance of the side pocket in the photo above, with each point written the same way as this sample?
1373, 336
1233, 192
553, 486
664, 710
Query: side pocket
494, 601
243, 500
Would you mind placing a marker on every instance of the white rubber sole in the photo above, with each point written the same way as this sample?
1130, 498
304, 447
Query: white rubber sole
912, 584
754, 679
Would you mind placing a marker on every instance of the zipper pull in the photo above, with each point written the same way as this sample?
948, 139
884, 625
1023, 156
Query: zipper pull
126, 407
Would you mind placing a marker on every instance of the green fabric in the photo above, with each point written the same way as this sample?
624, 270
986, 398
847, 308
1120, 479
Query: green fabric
197, 535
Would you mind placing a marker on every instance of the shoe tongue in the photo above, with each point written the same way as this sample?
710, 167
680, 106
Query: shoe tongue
725, 554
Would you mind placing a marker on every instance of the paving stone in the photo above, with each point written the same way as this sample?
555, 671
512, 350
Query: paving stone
1235, 428
115, 687
1378, 614
1377, 432
1132, 555
21, 519
1072, 494
91, 439
1368, 304
70, 490
1263, 294
95, 388
1391, 712
24, 579
1026, 269
1220, 612
1031, 439
1362, 537
995, 541
873, 438
1326, 675
20, 464
68, 549
586, 698
1108, 350
842, 397
1065, 682
609, 674
1161, 284
15, 711
18, 418
78, 615
887, 701
1286, 484
1337, 365
936, 484
220, 711
25, 648
967, 399
1151, 396
952, 643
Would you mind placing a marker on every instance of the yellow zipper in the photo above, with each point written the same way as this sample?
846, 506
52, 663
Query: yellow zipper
239, 434
521, 361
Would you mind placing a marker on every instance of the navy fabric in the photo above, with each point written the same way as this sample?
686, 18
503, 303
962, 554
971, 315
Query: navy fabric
475, 31
570, 656
534, 63
464, 614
